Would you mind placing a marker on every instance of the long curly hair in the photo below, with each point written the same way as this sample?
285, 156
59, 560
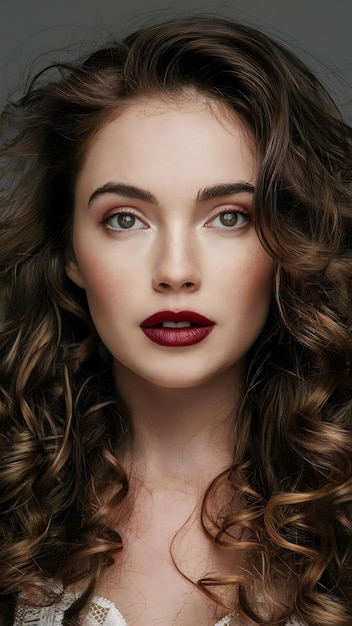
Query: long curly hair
63, 426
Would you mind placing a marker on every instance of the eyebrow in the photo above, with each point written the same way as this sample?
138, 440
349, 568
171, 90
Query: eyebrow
227, 189
121, 189
137, 193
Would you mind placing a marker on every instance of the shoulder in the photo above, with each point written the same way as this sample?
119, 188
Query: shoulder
101, 613
46, 616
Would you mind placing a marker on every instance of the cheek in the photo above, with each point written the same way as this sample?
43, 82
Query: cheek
250, 279
257, 294
110, 282
261, 275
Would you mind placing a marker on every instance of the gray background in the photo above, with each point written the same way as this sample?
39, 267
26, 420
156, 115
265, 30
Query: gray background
34, 33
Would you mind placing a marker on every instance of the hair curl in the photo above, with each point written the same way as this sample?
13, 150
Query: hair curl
62, 426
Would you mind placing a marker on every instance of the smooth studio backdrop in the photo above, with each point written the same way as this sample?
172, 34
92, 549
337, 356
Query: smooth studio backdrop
34, 33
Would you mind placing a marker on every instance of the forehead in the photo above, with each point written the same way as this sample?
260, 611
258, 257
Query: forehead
188, 101
178, 139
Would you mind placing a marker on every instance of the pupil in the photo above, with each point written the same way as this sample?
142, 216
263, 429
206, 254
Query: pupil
229, 219
126, 221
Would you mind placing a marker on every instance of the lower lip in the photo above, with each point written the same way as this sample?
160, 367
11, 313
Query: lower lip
177, 337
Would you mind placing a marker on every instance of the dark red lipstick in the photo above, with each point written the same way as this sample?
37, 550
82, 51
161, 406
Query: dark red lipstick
177, 328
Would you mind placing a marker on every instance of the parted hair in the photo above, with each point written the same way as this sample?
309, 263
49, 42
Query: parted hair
63, 425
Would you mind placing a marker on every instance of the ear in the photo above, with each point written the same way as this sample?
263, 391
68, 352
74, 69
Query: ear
74, 273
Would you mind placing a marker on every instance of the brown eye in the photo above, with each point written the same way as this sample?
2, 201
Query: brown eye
229, 219
124, 221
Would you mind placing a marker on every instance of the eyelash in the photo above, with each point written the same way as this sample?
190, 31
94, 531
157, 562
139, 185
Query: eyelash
120, 213
129, 213
235, 211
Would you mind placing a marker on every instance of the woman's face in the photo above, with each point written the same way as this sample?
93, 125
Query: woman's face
177, 282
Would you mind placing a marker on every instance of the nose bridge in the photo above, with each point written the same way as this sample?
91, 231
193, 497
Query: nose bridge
177, 258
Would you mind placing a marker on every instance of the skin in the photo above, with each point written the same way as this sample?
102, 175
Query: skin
177, 254
180, 253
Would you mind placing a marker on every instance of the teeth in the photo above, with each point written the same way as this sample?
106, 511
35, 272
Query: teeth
176, 324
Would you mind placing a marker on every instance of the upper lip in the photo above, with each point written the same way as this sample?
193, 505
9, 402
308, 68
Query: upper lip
177, 316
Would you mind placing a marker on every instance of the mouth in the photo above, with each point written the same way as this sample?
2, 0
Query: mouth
177, 328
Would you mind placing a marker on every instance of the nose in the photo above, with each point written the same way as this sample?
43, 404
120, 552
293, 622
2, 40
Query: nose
176, 263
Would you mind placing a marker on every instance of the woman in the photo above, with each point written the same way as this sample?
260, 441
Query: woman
175, 339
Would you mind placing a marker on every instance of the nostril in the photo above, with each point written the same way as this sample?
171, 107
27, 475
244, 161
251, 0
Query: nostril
186, 285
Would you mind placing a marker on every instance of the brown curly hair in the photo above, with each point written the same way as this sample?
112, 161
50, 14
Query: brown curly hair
62, 425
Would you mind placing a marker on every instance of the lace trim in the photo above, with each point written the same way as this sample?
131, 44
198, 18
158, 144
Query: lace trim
227, 620
102, 612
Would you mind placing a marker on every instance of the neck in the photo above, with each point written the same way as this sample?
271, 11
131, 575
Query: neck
183, 435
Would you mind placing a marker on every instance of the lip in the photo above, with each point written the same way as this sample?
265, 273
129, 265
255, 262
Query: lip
177, 337
177, 316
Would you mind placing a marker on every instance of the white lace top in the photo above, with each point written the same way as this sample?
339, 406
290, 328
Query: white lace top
102, 612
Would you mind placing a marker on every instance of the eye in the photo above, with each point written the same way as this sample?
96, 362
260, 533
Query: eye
230, 219
124, 221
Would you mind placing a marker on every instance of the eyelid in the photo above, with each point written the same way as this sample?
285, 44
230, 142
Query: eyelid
229, 208
123, 210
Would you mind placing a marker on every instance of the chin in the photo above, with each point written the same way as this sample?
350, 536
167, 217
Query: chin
176, 383
181, 380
